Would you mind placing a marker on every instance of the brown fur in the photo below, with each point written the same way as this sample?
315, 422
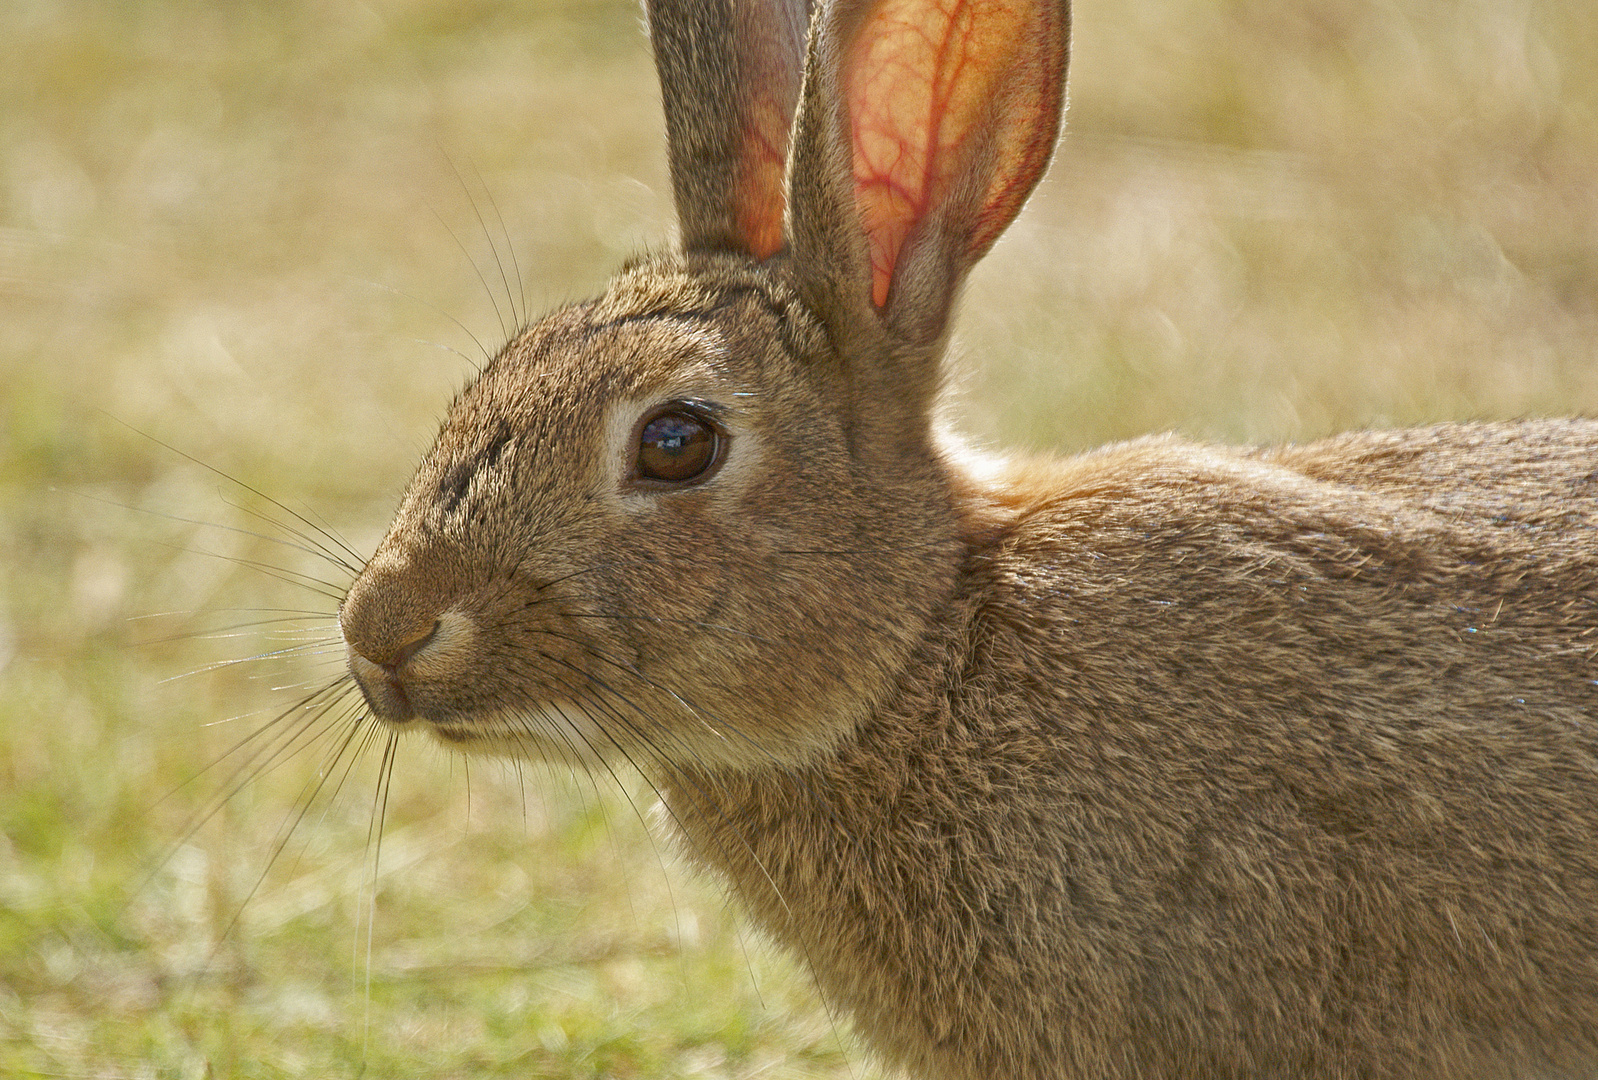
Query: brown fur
1162, 761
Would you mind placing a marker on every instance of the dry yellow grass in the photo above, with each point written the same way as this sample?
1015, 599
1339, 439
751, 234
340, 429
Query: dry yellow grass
239, 229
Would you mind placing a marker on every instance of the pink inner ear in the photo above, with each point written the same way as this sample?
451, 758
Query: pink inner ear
759, 197
770, 43
944, 93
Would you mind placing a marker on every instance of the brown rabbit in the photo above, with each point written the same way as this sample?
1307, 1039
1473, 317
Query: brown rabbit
1162, 761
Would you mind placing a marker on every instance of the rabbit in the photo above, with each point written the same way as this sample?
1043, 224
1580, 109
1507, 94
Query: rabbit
1164, 760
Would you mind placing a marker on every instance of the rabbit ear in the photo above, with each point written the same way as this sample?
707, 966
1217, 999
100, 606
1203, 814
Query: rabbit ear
925, 125
729, 80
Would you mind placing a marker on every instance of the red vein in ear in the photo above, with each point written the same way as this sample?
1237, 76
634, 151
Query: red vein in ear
949, 100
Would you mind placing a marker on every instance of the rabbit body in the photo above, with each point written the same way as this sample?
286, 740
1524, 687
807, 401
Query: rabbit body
1222, 764
1160, 761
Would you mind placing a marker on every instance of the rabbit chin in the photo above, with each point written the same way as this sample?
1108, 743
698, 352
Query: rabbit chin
556, 731
560, 731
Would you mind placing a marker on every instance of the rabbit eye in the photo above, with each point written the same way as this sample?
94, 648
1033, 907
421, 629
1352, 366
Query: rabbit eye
677, 446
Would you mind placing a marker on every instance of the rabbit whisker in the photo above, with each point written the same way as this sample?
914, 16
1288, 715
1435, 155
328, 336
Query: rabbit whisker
374, 843
708, 788
182, 520
229, 631
435, 309
353, 725
504, 328
510, 248
300, 649
301, 541
313, 526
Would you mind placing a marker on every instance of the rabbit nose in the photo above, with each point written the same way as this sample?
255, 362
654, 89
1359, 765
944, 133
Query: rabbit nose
401, 647
392, 613
387, 636
405, 650
381, 677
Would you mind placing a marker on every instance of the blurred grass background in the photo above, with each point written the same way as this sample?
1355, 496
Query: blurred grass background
239, 229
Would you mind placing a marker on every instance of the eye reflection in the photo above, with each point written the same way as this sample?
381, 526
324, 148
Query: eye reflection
676, 447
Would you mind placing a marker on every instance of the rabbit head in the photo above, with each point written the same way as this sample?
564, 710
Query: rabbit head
705, 516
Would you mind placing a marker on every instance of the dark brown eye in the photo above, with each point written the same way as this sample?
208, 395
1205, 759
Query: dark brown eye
676, 447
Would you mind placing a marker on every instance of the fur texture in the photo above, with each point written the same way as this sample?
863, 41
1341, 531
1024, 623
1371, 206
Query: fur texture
1161, 761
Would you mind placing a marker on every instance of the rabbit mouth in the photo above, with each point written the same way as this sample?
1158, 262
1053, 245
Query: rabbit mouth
384, 692
551, 730
555, 730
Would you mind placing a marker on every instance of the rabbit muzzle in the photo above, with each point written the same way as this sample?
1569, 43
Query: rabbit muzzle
393, 667
382, 687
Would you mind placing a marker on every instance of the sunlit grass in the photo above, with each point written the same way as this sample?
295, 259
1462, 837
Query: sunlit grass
278, 236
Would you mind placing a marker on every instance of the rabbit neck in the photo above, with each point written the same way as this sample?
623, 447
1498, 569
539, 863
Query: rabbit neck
840, 859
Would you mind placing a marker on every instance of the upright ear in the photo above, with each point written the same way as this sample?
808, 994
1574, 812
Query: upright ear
924, 126
729, 80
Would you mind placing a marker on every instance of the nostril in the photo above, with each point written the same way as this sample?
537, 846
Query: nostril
406, 650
